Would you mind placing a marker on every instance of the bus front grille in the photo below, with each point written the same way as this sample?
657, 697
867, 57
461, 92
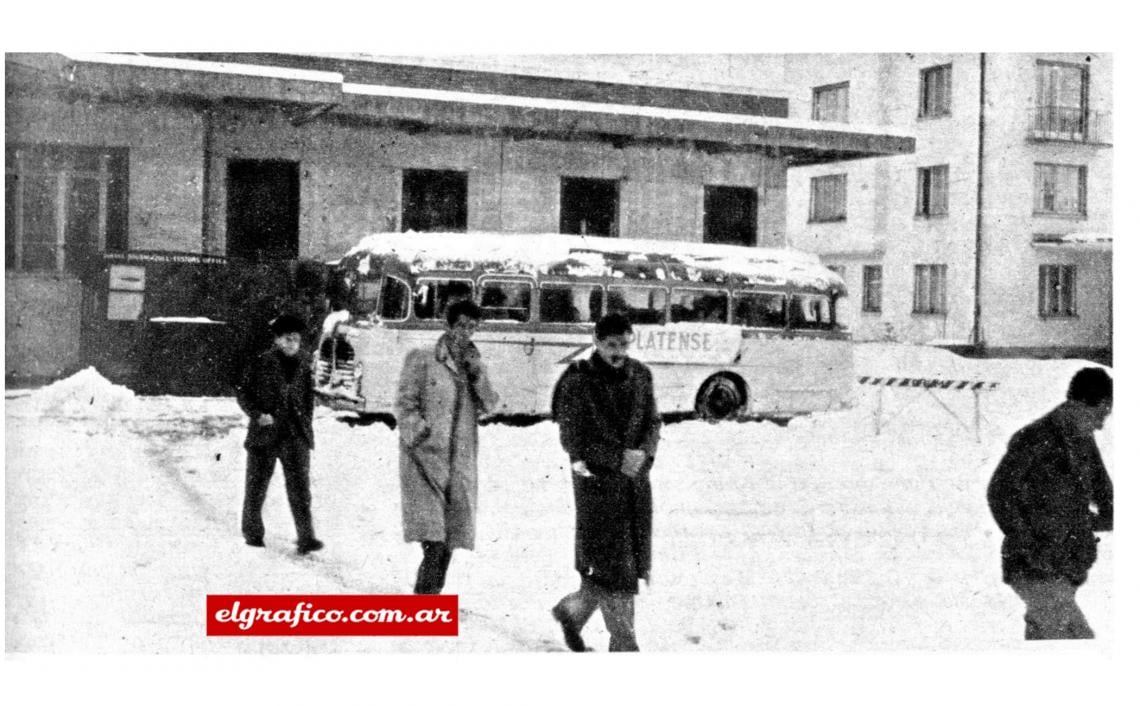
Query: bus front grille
336, 366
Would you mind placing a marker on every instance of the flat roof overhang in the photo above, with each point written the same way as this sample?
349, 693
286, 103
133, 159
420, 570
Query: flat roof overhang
133, 75
800, 142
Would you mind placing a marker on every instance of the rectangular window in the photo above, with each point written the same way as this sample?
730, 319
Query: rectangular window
1057, 290
505, 300
758, 309
934, 92
1062, 99
263, 209
810, 311
435, 200
698, 305
730, 215
570, 303
642, 305
930, 289
933, 191
589, 207
1059, 189
63, 206
873, 289
433, 296
830, 103
828, 198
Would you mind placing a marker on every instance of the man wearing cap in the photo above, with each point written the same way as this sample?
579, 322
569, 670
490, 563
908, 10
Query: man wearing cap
277, 394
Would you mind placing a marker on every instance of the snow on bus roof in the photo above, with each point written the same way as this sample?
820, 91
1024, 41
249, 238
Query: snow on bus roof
586, 256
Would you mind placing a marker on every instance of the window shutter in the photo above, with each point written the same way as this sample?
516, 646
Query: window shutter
1081, 189
942, 190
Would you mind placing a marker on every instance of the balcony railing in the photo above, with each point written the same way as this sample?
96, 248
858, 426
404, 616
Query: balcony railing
1063, 124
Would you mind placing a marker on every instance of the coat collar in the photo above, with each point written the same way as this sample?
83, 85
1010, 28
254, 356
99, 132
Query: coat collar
604, 370
443, 355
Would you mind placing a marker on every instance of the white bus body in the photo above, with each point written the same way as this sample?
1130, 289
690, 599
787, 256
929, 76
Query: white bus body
727, 331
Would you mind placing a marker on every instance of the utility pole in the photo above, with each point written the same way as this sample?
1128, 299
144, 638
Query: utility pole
977, 337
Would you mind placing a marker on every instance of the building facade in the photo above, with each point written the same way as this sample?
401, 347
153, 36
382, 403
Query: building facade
995, 234
250, 157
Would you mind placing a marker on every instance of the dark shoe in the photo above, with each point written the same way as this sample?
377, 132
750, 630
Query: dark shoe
571, 635
310, 545
255, 542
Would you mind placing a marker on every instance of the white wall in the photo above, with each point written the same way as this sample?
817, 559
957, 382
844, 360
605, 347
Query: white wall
881, 227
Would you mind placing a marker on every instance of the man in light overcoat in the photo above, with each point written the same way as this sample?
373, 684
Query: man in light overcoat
442, 391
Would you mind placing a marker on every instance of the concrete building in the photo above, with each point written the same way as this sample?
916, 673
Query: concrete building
995, 234
128, 158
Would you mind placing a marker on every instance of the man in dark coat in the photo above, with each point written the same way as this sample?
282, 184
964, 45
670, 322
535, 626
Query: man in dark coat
608, 423
277, 394
1041, 497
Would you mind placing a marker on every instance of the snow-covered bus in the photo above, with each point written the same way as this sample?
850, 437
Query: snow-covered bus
728, 331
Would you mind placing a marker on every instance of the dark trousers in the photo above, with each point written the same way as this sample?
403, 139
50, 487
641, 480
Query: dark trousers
1051, 610
433, 568
617, 612
259, 465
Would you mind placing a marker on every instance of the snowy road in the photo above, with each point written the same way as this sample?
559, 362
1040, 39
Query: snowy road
819, 536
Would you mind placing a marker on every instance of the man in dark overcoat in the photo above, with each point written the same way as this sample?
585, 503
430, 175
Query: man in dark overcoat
1042, 495
276, 392
609, 426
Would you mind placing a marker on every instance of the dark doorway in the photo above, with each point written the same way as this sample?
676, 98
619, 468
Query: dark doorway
730, 215
435, 200
589, 207
262, 209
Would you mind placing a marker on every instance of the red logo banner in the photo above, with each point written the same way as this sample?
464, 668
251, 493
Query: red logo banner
331, 615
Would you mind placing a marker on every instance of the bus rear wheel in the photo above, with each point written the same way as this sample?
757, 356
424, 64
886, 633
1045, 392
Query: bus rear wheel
720, 398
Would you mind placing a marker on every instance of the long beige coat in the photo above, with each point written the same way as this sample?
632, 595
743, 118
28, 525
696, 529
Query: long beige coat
437, 414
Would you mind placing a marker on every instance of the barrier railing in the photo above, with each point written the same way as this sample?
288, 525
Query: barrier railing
931, 386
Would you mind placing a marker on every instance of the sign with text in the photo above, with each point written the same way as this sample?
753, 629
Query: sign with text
331, 615
707, 344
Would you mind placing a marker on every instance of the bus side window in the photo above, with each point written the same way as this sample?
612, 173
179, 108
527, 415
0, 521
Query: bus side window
394, 299
697, 305
758, 310
810, 312
433, 296
505, 301
569, 303
643, 305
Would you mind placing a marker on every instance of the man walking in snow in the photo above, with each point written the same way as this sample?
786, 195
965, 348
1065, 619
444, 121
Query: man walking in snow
1041, 497
609, 426
277, 394
442, 391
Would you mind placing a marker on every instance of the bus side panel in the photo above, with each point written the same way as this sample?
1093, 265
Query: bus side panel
797, 375
509, 355
381, 351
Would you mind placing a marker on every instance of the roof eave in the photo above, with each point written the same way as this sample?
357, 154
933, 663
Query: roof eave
801, 145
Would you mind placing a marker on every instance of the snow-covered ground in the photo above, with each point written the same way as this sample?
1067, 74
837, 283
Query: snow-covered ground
122, 514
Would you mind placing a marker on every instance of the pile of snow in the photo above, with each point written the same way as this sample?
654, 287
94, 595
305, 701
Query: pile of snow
84, 394
621, 258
